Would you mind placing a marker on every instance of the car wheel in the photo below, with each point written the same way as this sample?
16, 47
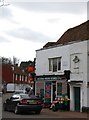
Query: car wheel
37, 112
4, 107
16, 111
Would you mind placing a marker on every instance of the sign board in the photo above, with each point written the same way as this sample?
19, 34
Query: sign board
49, 78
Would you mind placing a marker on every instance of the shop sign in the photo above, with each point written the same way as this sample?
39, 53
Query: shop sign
49, 78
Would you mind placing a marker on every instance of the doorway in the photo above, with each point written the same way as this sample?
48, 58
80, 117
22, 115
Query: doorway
77, 99
54, 90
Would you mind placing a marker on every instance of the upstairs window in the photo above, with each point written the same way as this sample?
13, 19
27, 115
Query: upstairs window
55, 64
59, 63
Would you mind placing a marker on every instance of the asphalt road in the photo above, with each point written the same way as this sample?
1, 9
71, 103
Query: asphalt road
45, 113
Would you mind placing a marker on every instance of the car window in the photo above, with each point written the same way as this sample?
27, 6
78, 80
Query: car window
19, 92
14, 97
24, 96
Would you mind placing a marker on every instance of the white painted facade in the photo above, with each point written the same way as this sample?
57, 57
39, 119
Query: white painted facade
79, 70
42, 56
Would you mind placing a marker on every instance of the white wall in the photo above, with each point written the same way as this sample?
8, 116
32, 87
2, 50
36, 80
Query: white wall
42, 63
79, 49
68, 52
88, 73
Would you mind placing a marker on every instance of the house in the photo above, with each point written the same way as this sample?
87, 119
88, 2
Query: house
15, 75
63, 67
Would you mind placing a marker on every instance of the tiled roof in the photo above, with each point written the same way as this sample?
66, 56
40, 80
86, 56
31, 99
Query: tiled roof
49, 44
78, 33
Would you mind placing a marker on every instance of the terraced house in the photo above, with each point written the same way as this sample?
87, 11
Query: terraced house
62, 67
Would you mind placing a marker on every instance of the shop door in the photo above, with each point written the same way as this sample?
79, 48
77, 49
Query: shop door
77, 98
54, 91
48, 92
58, 89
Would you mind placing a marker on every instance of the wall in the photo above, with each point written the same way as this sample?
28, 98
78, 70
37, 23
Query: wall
68, 52
7, 74
42, 63
88, 73
79, 49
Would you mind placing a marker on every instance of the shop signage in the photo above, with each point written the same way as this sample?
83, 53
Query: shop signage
49, 78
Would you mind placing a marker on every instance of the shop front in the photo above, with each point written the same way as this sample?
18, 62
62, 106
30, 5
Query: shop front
50, 87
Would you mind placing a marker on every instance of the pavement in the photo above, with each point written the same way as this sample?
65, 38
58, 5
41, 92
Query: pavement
67, 114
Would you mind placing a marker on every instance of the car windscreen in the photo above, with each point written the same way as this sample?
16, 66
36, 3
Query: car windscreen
24, 96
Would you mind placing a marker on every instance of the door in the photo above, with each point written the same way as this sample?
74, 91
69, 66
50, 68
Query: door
48, 92
77, 98
53, 91
58, 88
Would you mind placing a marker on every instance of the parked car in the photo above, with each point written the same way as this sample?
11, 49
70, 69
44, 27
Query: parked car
23, 103
19, 91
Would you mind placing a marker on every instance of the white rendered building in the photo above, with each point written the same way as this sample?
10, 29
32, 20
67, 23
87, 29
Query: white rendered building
71, 54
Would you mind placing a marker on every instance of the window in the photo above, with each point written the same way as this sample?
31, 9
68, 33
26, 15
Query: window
50, 64
59, 63
55, 64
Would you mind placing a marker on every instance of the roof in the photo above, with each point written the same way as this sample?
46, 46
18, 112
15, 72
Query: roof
49, 44
78, 33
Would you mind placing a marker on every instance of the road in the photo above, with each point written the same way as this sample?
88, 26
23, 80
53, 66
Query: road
45, 113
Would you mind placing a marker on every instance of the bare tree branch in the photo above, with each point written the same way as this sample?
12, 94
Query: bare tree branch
2, 3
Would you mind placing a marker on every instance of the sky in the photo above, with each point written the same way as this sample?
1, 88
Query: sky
26, 26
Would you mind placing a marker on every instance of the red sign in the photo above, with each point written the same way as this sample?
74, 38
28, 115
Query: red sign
30, 69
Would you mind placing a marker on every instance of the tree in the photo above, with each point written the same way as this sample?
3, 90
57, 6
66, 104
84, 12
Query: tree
15, 61
6, 60
2, 3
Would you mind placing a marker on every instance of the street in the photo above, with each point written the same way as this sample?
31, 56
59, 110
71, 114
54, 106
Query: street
45, 113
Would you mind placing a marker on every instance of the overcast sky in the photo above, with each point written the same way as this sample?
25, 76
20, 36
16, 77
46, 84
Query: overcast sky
28, 26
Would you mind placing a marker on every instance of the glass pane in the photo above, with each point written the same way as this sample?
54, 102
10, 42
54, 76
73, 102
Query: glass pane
50, 68
59, 89
54, 65
59, 63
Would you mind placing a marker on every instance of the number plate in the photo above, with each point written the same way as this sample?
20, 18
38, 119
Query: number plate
32, 102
